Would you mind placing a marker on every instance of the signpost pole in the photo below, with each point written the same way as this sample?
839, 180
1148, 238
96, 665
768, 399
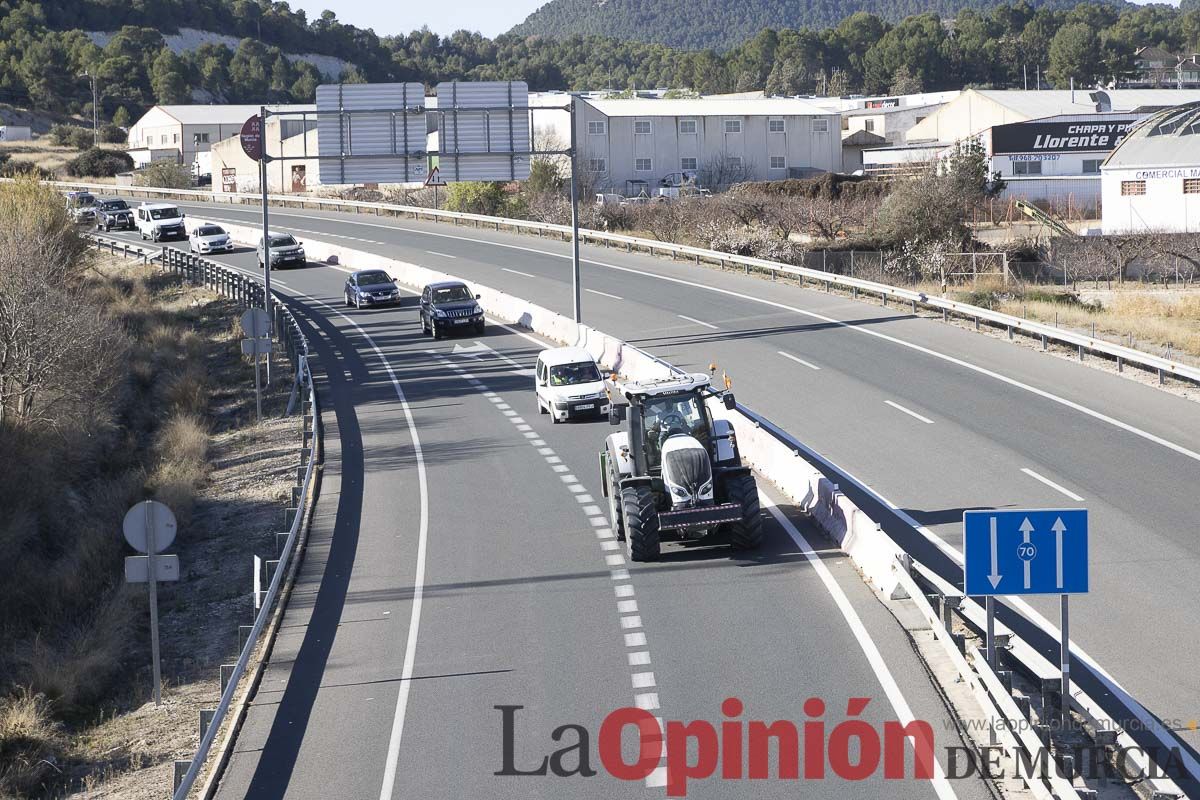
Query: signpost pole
262, 180
990, 606
152, 565
257, 390
1065, 658
575, 216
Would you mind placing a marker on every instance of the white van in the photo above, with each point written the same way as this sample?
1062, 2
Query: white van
159, 221
569, 384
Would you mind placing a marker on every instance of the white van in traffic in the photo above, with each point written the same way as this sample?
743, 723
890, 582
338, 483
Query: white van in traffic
569, 384
159, 221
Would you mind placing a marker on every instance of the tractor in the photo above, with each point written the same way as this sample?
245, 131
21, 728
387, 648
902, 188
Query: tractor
676, 471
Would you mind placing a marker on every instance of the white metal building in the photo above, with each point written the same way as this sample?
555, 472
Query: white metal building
15, 133
633, 145
178, 133
1151, 181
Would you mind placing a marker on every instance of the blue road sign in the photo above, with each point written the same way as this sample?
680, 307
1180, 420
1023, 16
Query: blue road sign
1037, 551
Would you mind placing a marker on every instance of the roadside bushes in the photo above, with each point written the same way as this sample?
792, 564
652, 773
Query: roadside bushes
165, 175
97, 163
71, 136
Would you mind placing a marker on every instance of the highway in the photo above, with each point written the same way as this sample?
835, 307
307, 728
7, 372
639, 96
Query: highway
935, 418
460, 559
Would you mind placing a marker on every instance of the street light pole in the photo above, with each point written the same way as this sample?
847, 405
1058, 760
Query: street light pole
95, 114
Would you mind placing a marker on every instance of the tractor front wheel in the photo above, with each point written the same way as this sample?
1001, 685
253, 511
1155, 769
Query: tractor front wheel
641, 522
746, 533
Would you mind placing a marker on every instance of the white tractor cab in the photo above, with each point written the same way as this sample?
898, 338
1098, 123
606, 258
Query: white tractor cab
676, 470
569, 384
159, 221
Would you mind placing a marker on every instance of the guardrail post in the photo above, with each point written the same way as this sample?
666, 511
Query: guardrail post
226, 675
1120, 361
244, 632
181, 768
206, 718
281, 542
1081, 352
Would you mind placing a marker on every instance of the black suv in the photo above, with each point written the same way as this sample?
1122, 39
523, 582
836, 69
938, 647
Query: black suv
450, 306
114, 214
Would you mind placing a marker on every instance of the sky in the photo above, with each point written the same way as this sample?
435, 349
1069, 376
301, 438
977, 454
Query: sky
489, 17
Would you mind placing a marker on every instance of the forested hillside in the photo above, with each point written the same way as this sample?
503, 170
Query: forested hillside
44, 48
721, 24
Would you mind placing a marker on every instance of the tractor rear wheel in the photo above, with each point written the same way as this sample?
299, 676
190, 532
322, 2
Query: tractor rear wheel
641, 522
746, 533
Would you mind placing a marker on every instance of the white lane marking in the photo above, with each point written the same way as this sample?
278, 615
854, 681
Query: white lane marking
912, 414
614, 561
632, 621
647, 701
627, 606
584, 498
414, 622
639, 659
643, 680
904, 714
635, 639
797, 359
517, 272
443, 255
625, 590
604, 294
622, 575
1052, 484
698, 322
1082, 409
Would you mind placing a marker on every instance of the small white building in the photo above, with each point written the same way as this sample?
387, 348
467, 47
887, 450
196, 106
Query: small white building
178, 133
1151, 181
15, 133
636, 145
294, 138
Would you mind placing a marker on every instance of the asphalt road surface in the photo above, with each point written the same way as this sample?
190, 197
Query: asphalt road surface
935, 418
460, 559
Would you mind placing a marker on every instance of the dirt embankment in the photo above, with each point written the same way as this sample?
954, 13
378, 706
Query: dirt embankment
76, 718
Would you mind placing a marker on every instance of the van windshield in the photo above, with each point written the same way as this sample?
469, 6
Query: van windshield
168, 212
571, 374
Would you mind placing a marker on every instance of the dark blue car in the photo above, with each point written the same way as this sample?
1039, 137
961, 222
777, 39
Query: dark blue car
371, 287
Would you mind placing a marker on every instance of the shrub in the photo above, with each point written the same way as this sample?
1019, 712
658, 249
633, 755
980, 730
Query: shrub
475, 197
30, 741
112, 134
165, 175
71, 136
98, 163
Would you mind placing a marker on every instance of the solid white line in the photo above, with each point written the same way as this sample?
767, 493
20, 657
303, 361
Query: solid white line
698, 322
414, 621
443, 255
941, 786
604, 294
1052, 484
913, 414
517, 272
797, 359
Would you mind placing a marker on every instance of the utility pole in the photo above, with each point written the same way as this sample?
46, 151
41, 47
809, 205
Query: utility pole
575, 214
266, 250
95, 111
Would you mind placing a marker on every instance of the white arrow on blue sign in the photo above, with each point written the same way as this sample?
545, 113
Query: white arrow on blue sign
1031, 551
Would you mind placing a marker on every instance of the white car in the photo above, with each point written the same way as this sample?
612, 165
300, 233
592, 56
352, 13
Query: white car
209, 238
160, 221
569, 384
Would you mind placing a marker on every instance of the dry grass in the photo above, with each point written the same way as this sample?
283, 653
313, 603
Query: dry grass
30, 741
1154, 319
42, 153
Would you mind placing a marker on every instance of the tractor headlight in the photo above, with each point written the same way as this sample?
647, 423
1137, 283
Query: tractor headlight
706, 489
680, 492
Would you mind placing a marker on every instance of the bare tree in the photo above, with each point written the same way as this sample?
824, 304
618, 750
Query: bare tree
723, 170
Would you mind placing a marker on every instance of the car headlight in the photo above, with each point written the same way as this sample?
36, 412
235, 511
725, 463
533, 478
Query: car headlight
477, 310
437, 312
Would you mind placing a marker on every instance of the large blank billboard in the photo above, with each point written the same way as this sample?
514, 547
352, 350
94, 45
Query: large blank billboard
371, 133
483, 131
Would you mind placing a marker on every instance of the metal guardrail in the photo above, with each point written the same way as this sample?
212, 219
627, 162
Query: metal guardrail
237, 286
1163, 367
